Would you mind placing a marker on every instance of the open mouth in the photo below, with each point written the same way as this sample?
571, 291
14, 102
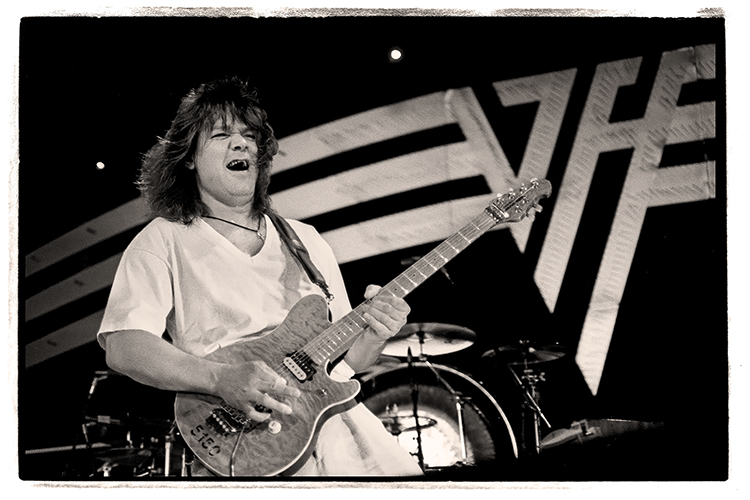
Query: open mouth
238, 165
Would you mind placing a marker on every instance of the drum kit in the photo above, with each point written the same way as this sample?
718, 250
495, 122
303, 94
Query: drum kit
441, 415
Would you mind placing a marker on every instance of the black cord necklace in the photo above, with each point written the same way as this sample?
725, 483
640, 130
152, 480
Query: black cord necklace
256, 230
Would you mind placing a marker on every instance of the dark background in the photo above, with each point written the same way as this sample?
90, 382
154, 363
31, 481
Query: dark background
104, 89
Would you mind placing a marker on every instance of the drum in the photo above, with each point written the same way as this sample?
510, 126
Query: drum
487, 436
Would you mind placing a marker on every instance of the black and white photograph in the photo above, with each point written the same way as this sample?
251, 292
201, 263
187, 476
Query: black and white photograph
393, 247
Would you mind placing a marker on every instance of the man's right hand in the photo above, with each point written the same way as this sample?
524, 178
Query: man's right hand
251, 386
150, 360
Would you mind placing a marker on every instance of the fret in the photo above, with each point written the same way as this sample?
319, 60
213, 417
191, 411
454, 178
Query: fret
316, 356
413, 275
430, 264
408, 278
402, 287
464, 237
456, 250
348, 326
416, 268
355, 315
444, 259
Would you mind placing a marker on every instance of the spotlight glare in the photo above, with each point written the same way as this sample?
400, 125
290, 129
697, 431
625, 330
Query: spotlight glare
396, 54
99, 165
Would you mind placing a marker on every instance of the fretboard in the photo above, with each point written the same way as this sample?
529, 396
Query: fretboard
322, 347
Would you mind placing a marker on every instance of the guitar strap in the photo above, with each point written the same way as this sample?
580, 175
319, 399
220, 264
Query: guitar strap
298, 249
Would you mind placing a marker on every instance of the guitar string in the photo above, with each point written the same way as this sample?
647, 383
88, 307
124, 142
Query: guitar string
461, 239
481, 224
475, 229
351, 322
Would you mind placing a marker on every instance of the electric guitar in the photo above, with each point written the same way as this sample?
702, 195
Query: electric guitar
300, 349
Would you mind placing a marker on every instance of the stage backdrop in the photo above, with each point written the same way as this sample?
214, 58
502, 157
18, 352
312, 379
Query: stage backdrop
625, 265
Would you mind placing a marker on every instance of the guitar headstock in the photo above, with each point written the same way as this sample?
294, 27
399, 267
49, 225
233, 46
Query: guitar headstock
514, 206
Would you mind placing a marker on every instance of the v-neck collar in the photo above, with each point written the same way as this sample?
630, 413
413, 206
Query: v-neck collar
271, 237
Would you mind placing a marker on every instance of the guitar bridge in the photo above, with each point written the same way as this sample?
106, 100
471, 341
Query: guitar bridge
227, 420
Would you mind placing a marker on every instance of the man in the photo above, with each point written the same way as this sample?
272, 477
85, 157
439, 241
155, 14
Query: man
212, 270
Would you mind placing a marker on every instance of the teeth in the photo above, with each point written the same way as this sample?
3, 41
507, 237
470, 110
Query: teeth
238, 165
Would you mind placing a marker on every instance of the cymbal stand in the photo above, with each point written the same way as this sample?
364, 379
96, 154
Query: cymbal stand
530, 395
169, 439
415, 405
98, 377
459, 400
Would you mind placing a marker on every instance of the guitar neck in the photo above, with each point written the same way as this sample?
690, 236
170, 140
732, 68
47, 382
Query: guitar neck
353, 324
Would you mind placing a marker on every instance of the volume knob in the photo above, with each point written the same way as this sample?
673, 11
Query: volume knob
274, 426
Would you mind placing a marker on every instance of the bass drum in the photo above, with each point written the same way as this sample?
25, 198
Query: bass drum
387, 392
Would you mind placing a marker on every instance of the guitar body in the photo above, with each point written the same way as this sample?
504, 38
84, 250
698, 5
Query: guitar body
282, 443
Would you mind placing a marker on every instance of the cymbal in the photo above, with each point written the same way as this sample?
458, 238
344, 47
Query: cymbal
524, 352
396, 424
432, 339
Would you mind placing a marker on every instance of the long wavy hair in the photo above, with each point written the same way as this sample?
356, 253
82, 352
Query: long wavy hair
169, 187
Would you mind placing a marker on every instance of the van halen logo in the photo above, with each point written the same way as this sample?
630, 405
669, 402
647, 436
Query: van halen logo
648, 182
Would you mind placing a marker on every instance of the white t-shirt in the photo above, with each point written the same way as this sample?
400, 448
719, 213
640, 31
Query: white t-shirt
195, 284
206, 293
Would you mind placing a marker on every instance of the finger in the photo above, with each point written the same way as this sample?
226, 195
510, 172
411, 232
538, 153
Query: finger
273, 404
396, 303
257, 413
280, 387
371, 291
397, 312
383, 324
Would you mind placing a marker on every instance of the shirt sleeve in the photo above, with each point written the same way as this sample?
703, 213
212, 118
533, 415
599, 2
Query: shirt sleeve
141, 297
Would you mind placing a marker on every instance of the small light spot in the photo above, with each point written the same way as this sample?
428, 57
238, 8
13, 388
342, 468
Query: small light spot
395, 54
100, 165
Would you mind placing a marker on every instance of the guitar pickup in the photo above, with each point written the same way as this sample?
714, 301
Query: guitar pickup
300, 365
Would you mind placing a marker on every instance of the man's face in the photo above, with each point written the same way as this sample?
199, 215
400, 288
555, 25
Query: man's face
225, 163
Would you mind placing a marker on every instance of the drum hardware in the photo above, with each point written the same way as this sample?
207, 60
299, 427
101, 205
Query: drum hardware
130, 458
169, 439
98, 377
415, 405
529, 389
429, 339
525, 354
397, 422
485, 434
133, 446
155, 459
458, 400
164, 455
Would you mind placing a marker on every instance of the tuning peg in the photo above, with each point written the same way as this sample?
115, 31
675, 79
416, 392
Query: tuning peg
538, 208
